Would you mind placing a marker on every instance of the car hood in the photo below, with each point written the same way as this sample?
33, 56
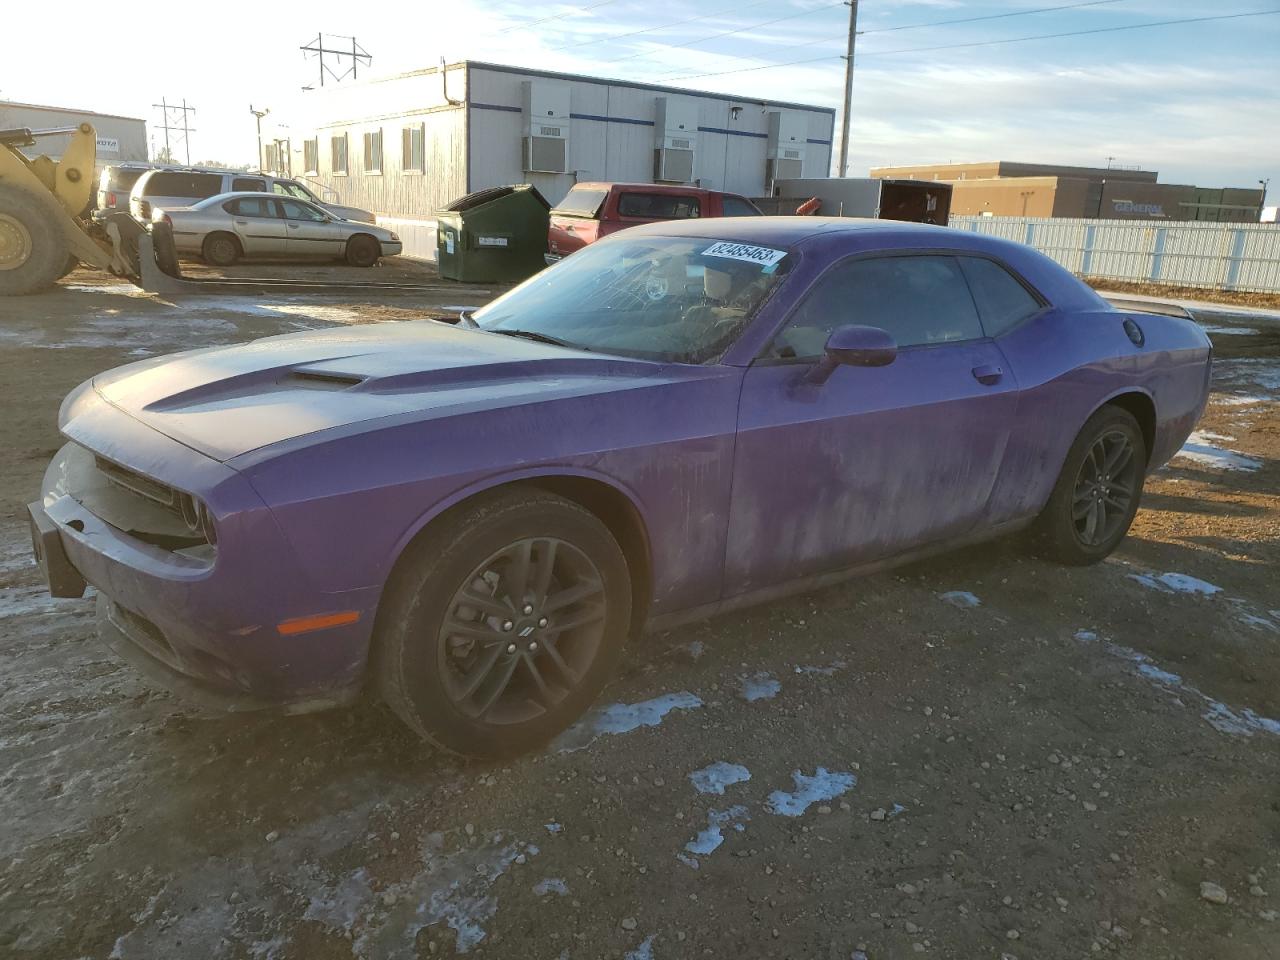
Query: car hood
228, 401
354, 214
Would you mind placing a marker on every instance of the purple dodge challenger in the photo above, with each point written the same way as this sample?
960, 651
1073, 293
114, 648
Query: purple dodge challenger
679, 420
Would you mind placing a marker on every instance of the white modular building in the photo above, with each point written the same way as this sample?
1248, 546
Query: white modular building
405, 146
119, 138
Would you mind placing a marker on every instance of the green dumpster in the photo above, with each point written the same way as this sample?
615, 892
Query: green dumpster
493, 235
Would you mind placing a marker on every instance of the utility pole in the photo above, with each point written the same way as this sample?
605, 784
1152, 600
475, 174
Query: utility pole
357, 54
848, 87
259, 114
166, 108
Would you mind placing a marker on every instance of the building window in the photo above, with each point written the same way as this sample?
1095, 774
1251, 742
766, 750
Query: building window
413, 148
338, 154
373, 151
311, 155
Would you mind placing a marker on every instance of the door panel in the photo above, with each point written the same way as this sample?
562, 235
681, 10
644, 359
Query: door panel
254, 221
874, 462
309, 232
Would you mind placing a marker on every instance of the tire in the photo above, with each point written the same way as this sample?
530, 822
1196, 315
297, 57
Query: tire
166, 252
363, 250
1070, 529
220, 249
70, 265
33, 249
424, 669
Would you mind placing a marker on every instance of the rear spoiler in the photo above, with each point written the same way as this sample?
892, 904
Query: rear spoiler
1130, 305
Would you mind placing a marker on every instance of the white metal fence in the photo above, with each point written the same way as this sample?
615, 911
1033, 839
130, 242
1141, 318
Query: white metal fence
1225, 256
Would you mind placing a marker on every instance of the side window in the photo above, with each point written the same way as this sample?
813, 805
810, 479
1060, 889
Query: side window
1002, 301
248, 183
918, 300
737, 207
657, 206
293, 210
338, 154
250, 207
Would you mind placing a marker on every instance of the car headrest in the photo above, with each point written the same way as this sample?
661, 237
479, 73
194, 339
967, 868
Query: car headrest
717, 283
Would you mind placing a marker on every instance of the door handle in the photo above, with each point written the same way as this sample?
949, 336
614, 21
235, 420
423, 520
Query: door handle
293, 226
988, 374
242, 223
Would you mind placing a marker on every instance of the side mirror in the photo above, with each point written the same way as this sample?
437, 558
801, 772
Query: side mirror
854, 346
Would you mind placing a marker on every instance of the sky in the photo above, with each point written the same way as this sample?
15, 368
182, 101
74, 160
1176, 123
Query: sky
1200, 102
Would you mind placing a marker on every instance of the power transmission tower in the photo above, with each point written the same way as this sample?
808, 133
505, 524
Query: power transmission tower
848, 88
169, 125
352, 57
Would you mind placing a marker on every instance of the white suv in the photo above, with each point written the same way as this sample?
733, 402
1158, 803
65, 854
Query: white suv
185, 186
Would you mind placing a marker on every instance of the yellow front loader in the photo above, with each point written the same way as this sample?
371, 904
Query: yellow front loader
44, 230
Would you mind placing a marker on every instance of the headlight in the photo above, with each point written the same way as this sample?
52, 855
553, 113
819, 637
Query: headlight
395, 237
197, 517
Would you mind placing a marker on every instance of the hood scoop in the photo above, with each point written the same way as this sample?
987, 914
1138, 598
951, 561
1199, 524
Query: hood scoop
319, 380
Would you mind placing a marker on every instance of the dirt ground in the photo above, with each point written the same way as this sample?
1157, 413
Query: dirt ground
983, 756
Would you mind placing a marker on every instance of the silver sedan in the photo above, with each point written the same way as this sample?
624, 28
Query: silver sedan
234, 226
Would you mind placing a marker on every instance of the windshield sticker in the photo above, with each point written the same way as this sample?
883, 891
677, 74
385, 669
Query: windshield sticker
764, 256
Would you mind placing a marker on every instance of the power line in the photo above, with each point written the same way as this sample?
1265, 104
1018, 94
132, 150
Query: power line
992, 16
980, 43
727, 33
559, 16
941, 23
665, 26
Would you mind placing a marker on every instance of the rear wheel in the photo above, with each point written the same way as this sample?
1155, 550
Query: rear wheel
363, 250
1098, 492
220, 249
503, 627
33, 250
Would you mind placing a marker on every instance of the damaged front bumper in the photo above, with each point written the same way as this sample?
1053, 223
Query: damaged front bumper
200, 619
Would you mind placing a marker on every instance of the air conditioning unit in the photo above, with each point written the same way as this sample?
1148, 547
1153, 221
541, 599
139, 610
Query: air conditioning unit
676, 138
784, 156
545, 143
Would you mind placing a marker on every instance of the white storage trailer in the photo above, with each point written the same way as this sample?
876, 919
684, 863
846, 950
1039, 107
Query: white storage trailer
407, 145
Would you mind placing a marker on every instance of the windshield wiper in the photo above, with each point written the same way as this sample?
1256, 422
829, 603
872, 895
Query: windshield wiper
537, 337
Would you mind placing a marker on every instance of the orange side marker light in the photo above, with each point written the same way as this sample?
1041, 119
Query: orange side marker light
321, 621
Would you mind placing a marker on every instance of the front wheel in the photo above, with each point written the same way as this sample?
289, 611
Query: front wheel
363, 250
502, 627
33, 250
1098, 491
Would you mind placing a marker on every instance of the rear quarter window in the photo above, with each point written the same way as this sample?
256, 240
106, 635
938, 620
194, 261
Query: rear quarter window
177, 184
1003, 301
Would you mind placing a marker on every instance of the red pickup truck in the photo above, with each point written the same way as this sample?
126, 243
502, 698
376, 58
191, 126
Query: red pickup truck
593, 210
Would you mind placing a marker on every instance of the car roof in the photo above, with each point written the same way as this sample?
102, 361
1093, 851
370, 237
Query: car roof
671, 188
789, 231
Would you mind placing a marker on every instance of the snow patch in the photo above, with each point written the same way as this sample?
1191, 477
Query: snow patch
551, 885
624, 718
1199, 449
644, 951
1243, 722
453, 888
553, 827
760, 687
708, 841
960, 598
1176, 583
717, 776
823, 785
1238, 399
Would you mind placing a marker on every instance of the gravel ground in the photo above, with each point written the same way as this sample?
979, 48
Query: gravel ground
983, 756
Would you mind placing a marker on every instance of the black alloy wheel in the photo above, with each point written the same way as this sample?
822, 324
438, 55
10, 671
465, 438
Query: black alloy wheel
1104, 488
521, 631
